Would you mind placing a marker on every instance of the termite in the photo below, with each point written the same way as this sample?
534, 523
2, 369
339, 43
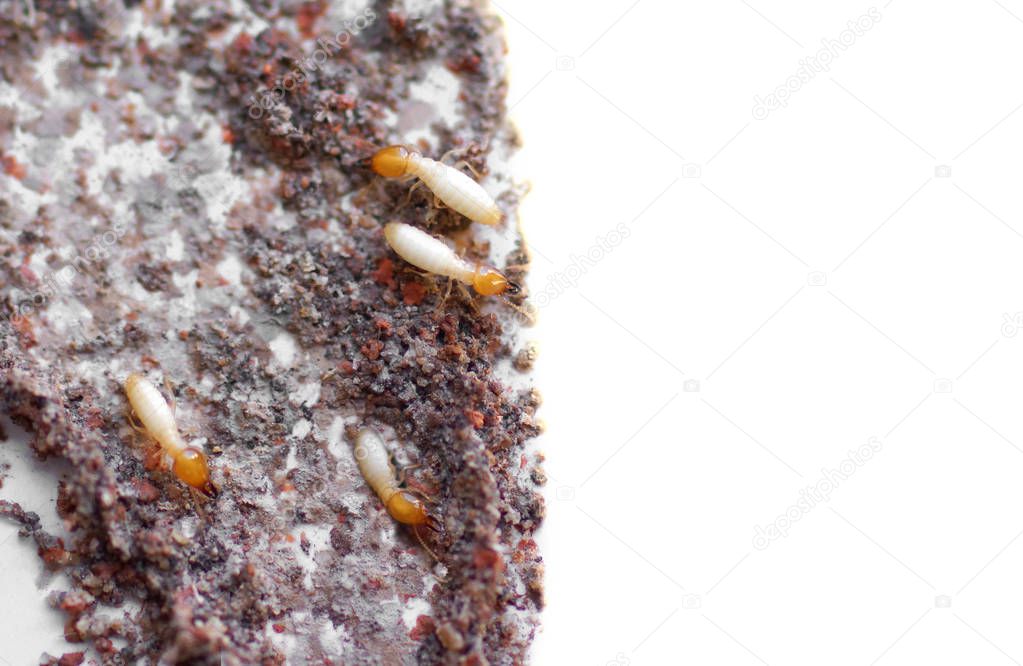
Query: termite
431, 254
157, 419
376, 467
450, 185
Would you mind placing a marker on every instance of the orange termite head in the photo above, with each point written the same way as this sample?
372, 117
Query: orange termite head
406, 508
391, 162
491, 282
191, 468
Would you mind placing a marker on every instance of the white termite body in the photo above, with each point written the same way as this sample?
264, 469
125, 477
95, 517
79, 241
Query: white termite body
452, 186
426, 252
457, 190
375, 465
155, 414
187, 462
433, 256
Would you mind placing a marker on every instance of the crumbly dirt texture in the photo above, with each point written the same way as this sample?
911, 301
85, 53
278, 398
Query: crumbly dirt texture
164, 212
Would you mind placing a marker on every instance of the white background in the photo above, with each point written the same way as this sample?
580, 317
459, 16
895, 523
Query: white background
821, 284
816, 281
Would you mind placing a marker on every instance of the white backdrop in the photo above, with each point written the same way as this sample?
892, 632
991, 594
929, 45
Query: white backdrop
780, 339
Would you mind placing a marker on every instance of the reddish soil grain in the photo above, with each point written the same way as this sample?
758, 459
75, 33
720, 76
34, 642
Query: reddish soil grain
240, 256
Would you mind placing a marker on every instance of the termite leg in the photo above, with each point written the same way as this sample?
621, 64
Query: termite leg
429, 279
419, 538
468, 297
421, 494
528, 316
408, 199
403, 473
430, 215
462, 164
447, 292
133, 422
153, 457
170, 392
414, 490
198, 501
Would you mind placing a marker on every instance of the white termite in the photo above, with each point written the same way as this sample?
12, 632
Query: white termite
433, 256
149, 406
449, 184
375, 464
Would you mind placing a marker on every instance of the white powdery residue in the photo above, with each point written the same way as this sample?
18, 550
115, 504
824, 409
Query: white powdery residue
185, 307
346, 203
287, 642
318, 538
221, 190
335, 437
187, 526
334, 639
230, 269
136, 161
390, 119
175, 246
340, 12
307, 394
301, 428
68, 317
94, 373
23, 146
37, 262
291, 462
247, 21
156, 33
91, 136
421, 8
284, 349
135, 292
440, 90
264, 500
46, 66
183, 97
13, 98
239, 314
413, 609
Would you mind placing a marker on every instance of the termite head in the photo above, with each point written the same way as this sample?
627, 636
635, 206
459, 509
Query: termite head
491, 282
132, 381
391, 162
408, 509
191, 468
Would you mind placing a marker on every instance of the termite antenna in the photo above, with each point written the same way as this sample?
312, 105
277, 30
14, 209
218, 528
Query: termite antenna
198, 501
419, 538
526, 315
